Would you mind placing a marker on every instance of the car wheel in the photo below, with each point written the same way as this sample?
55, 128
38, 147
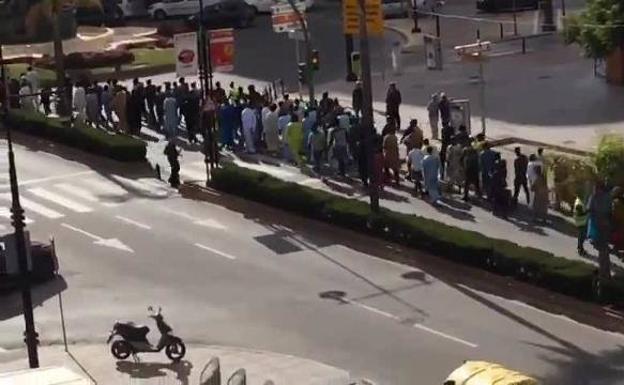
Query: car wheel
160, 15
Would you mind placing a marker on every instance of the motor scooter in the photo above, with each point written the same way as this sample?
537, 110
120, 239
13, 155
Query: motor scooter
131, 339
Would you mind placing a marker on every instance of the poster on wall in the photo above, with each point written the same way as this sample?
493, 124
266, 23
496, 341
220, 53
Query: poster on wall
185, 48
222, 49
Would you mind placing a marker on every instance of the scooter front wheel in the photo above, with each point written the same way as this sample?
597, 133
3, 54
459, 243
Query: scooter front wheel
175, 350
121, 350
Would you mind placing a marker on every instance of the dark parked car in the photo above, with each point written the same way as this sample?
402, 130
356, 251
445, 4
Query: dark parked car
506, 5
227, 13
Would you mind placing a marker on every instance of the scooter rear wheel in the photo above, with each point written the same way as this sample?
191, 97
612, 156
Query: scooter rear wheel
175, 350
121, 350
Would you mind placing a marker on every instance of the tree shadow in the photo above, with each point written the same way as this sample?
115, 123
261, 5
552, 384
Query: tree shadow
579, 367
447, 209
145, 370
12, 302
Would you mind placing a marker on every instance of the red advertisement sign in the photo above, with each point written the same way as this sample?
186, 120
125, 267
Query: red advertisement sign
222, 49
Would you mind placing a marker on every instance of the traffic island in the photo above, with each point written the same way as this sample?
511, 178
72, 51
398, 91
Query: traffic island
537, 267
96, 363
119, 147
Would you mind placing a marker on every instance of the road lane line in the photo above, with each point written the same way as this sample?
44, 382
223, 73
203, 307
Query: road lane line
77, 191
50, 178
197, 221
59, 200
444, 335
220, 253
132, 222
34, 206
141, 187
415, 326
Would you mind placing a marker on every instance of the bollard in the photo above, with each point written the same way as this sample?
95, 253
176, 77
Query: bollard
523, 45
502, 32
478, 34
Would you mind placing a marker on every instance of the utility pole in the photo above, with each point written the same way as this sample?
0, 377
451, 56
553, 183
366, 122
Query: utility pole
308, 49
367, 124
17, 216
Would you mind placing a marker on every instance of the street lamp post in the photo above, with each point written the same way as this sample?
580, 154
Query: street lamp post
17, 216
367, 124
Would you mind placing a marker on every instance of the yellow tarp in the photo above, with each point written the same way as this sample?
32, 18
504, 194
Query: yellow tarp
487, 373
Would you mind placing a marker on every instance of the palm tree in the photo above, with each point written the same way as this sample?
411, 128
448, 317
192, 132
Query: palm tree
56, 9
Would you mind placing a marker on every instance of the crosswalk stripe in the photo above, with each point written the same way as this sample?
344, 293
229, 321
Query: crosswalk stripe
6, 213
83, 193
34, 206
59, 200
106, 187
143, 187
192, 174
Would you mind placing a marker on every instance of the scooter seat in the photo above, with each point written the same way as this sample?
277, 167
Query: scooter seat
135, 330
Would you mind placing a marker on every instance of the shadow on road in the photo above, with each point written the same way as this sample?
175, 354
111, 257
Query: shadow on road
12, 302
145, 370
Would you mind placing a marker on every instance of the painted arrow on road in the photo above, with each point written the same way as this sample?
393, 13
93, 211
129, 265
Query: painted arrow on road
108, 242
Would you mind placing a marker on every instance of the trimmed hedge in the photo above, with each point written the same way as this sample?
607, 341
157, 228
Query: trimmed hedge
562, 275
119, 147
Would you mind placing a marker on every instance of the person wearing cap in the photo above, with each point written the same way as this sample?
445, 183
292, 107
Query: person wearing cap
357, 98
393, 101
434, 111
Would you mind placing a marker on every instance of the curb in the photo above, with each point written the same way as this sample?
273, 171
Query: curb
529, 142
407, 46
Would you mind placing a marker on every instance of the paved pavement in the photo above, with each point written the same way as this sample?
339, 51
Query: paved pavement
237, 274
155, 368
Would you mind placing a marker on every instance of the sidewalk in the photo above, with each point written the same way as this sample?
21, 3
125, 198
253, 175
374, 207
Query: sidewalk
260, 366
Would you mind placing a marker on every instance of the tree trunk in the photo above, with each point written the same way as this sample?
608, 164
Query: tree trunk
62, 107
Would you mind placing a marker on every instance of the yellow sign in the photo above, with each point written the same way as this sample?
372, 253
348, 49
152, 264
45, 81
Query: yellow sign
351, 17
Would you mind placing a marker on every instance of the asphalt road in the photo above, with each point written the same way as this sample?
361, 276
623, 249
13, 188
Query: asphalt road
229, 273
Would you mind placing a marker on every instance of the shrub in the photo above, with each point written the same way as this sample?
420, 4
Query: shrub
84, 137
86, 60
609, 159
574, 278
572, 178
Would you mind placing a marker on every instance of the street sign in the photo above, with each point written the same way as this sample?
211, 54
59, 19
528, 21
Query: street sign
185, 48
351, 17
473, 49
285, 19
222, 49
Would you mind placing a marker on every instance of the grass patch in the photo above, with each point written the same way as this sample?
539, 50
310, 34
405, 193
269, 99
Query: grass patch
84, 137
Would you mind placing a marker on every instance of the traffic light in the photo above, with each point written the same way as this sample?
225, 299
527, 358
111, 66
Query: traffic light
301, 72
356, 65
316, 60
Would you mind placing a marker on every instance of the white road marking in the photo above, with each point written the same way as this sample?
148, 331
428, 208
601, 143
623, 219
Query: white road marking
416, 326
198, 221
133, 222
110, 242
60, 200
6, 213
194, 172
537, 310
220, 253
106, 187
83, 194
50, 178
34, 206
3, 350
142, 187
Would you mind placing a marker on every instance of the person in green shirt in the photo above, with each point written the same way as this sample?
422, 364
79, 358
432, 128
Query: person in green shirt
294, 138
580, 221
317, 143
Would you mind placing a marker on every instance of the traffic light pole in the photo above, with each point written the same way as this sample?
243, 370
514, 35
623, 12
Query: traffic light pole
351, 77
367, 124
308, 47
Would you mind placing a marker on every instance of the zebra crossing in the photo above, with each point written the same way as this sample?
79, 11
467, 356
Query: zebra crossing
59, 198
